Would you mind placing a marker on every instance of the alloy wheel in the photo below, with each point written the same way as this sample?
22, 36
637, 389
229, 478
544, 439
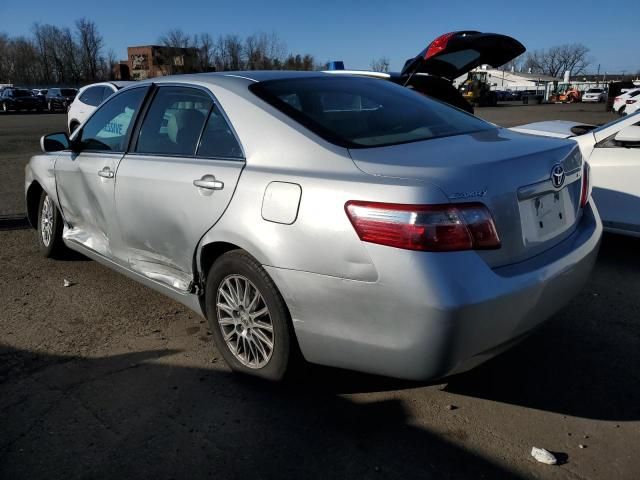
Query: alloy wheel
46, 221
245, 321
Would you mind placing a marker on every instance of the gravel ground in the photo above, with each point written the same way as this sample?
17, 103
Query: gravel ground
108, 379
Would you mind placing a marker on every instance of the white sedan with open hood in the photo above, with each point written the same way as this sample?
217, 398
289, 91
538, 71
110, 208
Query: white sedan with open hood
613, 152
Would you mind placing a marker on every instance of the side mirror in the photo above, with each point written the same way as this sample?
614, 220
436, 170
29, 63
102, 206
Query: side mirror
55, 142
629, 135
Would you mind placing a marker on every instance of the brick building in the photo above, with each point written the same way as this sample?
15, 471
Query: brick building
154, 60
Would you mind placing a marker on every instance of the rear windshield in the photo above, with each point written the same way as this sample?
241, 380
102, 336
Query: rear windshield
358, 112
22, 93
594, 90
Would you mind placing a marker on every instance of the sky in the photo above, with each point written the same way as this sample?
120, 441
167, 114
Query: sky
355, 31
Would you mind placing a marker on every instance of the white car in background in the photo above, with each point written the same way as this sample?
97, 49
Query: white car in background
88, 99
613, 152
597, 95
632, 105
620, 102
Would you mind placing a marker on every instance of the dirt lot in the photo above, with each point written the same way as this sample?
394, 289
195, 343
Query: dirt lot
109, 379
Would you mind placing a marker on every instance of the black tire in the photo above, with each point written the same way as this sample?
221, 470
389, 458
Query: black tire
55, 247
238, 262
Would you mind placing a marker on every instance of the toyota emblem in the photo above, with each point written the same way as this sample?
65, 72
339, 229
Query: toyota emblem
557, 175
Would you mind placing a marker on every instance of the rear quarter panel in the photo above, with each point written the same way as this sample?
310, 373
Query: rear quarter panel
322, 239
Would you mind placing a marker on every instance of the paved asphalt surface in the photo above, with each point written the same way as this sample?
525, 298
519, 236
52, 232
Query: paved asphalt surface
108, 379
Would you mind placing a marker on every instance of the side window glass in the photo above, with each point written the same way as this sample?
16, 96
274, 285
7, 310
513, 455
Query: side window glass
108, 129
217, 139
174, 121
292, 100
92, 96
106, 93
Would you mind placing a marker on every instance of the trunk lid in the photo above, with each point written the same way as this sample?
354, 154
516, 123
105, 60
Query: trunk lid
510, 173
454, 54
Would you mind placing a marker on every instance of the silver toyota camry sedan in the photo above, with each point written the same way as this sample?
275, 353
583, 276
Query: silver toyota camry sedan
345, 221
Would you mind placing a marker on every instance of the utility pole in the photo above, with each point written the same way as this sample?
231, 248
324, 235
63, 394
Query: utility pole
598, 74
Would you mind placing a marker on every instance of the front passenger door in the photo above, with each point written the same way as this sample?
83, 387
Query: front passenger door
85, 177
176, 183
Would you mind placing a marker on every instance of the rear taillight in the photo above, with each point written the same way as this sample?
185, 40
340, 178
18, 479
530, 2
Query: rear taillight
586, 186
433, 228
438, 45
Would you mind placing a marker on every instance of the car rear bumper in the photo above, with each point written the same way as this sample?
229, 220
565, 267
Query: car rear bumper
432, 314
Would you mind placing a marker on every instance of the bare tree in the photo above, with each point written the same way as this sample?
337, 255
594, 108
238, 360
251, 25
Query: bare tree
228, 53
19, 60
263, 52
55, 55
380, 64
90, 44
175, 38
5, 57
204, 45
556, 60
58, 57
308, 62
111, 62
173, 58
70, 57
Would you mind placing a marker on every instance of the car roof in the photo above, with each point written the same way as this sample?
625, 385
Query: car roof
120, 83
240, 77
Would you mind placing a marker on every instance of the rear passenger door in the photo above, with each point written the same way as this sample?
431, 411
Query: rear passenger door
176, 182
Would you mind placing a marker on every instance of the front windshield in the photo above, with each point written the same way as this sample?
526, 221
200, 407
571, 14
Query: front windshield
357, 112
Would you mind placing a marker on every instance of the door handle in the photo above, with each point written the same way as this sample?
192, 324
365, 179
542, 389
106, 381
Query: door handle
208, 182
106, 173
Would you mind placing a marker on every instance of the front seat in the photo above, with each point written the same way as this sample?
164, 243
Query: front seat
183, 130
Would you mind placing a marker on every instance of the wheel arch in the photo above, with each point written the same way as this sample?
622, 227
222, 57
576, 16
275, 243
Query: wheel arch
212, 251
34, 192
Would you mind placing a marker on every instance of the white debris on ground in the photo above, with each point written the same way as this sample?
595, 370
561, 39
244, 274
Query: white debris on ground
67, 283
543, 456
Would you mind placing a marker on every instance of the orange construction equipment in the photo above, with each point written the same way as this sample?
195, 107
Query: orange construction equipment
566, 94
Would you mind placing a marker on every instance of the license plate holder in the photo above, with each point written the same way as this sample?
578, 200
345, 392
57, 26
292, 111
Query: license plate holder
545, 216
